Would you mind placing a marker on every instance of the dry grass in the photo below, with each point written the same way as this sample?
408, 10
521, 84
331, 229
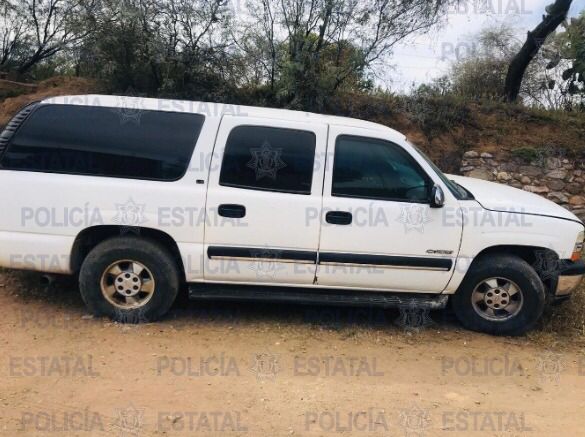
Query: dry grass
569, 318
563, 325
18, 95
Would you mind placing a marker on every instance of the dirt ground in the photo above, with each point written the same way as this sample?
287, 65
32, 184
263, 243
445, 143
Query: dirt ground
266, 370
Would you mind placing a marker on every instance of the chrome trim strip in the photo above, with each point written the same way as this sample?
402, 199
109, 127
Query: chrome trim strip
384, 266
251, 259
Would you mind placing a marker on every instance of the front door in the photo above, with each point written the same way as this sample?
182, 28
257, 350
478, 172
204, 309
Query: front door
378, 228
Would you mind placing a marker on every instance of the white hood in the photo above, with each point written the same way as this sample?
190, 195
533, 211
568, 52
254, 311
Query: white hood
499, 197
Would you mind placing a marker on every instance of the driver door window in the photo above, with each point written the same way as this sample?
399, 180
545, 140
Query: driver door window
369, 168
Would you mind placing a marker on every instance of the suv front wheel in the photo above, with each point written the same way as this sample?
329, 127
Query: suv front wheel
129, 279
501, 295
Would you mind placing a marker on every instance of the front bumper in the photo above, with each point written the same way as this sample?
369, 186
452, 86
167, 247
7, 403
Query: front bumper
571, 275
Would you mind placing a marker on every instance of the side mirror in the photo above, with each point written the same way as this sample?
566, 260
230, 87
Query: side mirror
437, 197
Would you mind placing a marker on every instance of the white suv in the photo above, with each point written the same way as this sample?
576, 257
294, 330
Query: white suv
141, 196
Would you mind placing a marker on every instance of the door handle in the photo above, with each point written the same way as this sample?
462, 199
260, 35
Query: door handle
231, 211
339, 218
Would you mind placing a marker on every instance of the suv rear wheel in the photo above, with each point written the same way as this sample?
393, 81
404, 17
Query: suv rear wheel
129, 279
501, 295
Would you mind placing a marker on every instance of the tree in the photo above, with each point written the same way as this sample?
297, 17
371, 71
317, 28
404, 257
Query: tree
556, 13
309, 49
159, 47
292, 52
12, 37
570, 57
52, 26
481, 74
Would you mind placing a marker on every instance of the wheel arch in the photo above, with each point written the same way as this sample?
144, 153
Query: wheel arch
533, 255
90, 237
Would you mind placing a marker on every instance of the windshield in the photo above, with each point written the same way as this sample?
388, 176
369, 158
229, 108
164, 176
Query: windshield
458, 191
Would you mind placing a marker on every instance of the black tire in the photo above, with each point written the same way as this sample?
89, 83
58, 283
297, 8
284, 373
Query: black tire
154, 256
510, 268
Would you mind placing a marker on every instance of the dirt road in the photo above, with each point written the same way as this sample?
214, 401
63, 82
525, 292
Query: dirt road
265, 370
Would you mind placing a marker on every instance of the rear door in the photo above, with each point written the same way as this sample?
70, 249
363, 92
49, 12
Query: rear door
379, 230
264, 200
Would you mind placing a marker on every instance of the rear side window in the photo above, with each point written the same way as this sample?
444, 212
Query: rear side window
99, 141
369, 168
14, 124
269, 159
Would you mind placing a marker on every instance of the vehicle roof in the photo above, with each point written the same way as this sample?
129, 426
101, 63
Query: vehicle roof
213, 110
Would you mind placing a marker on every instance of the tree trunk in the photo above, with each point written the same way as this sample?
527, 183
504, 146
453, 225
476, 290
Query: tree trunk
556, 14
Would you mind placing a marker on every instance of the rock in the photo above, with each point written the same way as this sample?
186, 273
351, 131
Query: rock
486, 155
471, 162
466, 169
530, 170
574, 188
509, 167
557, 174
516, 184
481, 173
553, 163
536, 189
525, 180
503, 176
577, 201
471, 154
555, 185
558, 197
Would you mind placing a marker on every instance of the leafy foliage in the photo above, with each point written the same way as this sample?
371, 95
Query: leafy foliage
295, 53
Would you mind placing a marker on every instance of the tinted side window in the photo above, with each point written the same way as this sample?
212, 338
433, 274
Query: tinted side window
375, 169
102, 141
271, 159
14, 124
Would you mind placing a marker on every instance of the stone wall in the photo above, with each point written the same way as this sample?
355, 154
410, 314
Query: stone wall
557, 178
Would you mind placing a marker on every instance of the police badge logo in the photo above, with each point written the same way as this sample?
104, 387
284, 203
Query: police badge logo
136, 317
265, 366
130, 213
413, 317
266, 265
129, 421
414, 421
550, 365
129, 108
414, 218
266, 161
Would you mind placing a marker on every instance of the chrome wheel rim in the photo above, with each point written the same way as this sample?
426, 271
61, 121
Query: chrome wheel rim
127, 284
497, 299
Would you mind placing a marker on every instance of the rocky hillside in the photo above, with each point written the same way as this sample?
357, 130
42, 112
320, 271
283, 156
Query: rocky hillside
559, 178
445, 128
